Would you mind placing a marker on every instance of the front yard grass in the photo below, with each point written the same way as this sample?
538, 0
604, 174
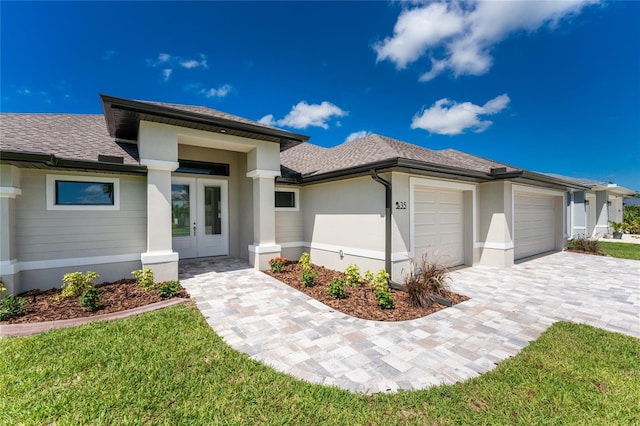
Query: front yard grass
621, 250
169, 367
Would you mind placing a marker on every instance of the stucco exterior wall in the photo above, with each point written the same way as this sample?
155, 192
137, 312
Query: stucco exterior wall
344, 223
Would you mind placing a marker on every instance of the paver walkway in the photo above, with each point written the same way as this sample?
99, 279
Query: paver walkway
295, 334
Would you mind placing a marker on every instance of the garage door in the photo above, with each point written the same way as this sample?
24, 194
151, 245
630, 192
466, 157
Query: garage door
438, 224
535, 225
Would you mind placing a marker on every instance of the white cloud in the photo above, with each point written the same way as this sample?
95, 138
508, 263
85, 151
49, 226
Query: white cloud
169, 62
459, 36
304, 115
446, 117
357, 135
220, 92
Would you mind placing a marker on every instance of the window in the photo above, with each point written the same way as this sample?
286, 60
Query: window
203, 168
68, 192
287, 199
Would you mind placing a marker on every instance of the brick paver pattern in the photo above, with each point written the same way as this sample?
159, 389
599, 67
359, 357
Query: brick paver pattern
295, 334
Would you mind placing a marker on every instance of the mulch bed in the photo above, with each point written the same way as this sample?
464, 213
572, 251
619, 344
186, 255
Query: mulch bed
360, 302
117, 296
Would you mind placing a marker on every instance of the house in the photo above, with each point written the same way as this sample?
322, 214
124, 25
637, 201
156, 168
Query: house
590, 211
146, 184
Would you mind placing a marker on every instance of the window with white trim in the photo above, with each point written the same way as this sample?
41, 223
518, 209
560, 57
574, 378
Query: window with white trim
287, 199
74, 192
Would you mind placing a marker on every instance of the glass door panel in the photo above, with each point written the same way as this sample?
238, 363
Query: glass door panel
212, 210
180, 210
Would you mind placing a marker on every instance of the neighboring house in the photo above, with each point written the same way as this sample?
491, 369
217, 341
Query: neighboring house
148, 183
589, 211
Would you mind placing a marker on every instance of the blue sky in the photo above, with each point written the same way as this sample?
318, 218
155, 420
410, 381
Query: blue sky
545, 86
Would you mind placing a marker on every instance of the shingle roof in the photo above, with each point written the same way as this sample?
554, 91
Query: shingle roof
71, 136
310, 160
579, 181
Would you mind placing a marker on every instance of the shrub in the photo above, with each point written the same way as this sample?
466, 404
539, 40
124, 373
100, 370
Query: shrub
336, 288
425, 280
12, 306
2, 287
583, 243
380, 284
75, 283
305, 262
352, 276
90, 299
144, 278
169, 289
277, 264
309, 278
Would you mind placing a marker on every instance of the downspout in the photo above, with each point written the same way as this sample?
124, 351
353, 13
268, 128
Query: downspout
387, 217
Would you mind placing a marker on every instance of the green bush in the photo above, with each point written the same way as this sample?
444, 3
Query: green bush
584, 243
90, 299
75, 283
2, 287
309, 278
305, 262
352, 276
169, 289
336, 288
380, 284
425, 280
144, 278
12, 306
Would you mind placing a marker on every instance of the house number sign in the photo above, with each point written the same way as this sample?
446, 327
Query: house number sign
401, 205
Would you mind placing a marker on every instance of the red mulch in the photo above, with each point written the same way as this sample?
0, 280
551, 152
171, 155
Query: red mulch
360, 302
117, 296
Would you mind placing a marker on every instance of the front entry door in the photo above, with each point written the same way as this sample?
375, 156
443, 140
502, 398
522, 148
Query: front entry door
199, 217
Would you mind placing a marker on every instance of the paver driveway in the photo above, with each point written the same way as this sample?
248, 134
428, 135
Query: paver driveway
293, 333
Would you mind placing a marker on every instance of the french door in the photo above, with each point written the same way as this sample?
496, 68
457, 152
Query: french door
199, 217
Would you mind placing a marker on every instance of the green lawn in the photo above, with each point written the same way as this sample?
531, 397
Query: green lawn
621, 250
169, 367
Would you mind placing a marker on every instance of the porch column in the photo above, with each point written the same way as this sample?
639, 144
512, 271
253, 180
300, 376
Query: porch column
602, 214
264, 245
496, 222
160, 257
9, 190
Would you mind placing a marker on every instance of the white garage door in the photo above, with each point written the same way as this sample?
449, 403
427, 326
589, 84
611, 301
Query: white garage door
438, 224
535, 220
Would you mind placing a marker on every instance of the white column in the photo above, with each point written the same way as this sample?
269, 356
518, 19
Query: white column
496, 223
160, 256
264, 245
9, 190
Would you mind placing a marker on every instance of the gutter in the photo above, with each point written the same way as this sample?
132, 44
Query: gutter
53, 161
387, 222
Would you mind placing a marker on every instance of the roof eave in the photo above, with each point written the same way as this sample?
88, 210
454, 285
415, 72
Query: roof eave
54, 161
137, 107
549, 180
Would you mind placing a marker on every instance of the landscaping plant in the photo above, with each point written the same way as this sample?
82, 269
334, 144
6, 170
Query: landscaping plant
305, 262
277, 264
352, 276
584, 243
336, 288
426, 280
12, 306
380, 284
76, 283
144, 278
308, 274
168, 289
90, 299
309, 278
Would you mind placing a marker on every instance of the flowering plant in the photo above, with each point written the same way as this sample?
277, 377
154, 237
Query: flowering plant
277, 263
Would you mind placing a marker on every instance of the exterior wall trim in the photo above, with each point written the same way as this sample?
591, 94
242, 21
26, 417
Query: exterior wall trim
64, 263
9, 267
496, 246
369, 254
162, 256
261, 173
9, 192
160, 164
274, 248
